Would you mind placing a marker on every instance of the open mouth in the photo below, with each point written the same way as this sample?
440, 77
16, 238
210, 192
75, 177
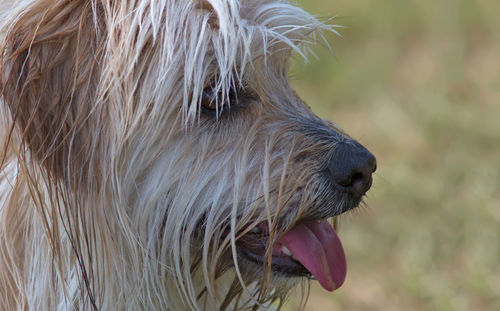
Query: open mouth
310, 249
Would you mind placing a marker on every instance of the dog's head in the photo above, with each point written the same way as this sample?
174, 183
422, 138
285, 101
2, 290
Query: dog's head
165, 136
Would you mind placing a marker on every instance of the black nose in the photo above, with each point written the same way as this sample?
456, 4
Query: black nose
351, 167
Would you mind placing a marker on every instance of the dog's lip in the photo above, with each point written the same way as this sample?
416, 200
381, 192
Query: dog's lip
254, 244
281, 263
307, 248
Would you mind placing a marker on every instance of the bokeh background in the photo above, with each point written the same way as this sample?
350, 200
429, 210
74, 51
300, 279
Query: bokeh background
418, 83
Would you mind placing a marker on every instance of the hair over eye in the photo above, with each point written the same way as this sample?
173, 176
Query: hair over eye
215, 100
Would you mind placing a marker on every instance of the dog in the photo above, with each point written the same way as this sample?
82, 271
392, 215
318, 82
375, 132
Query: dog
155, 157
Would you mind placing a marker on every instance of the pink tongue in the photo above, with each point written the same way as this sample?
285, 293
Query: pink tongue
317, 247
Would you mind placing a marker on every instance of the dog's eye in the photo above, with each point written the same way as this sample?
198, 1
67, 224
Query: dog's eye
213, 101
208, 101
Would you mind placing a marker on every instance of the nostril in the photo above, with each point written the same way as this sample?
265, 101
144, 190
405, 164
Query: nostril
358, 182
351, 179
361, 183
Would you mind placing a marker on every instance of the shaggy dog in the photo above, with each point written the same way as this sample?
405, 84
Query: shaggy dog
154, 157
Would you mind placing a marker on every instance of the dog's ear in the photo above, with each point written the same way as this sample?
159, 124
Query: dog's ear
49, 58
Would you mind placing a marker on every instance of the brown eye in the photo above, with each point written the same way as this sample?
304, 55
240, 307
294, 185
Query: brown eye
210, 100
215, 102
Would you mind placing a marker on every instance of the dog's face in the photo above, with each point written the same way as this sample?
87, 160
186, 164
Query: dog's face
173, 125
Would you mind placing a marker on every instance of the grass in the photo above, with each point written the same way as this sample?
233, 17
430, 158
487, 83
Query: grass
418, 83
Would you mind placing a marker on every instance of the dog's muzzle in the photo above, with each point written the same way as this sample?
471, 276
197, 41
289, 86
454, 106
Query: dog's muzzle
311, 247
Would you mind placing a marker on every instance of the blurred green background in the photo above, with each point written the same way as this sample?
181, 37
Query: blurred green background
418, 83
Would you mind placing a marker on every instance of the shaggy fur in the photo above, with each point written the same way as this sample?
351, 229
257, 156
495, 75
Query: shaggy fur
119, 190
